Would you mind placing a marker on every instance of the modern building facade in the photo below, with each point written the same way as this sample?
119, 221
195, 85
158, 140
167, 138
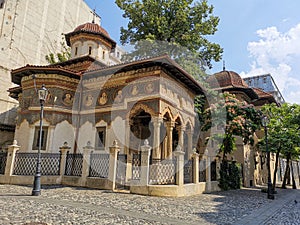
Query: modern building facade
267, 84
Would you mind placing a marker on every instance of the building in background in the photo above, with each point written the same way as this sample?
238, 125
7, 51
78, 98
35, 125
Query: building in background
266, 83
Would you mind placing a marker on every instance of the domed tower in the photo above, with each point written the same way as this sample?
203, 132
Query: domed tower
93, 40
232, 82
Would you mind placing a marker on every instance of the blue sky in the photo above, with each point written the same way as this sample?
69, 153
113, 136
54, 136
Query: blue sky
258, 37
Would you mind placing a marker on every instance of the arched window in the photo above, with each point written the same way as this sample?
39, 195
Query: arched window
90, 50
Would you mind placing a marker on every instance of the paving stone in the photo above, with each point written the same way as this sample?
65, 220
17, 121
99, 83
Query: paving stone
71, 205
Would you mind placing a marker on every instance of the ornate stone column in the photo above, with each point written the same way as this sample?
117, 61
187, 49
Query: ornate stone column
195, 157
113, 157
190, 142
156, 137
181, 131
208, 173
127, 137
170, 127
180, 166
145, 151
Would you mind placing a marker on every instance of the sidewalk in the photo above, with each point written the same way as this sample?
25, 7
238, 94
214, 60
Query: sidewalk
265, 214
69, 205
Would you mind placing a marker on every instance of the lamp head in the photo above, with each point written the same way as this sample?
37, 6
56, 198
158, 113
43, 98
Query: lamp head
43, 93
264, 121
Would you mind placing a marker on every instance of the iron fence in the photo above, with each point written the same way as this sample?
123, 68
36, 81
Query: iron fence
188, 171
136, 166
3, 158
99, 165
202, 170
121, 170
25, 164
162, 171
74, 164
213, 170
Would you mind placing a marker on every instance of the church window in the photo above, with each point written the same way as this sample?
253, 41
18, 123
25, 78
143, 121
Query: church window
100, 138
2, 3
76, 51
103, 55
90, 50
35, 145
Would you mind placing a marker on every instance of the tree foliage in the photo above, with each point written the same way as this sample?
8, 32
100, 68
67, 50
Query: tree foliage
62, 56
180, 23
241, 119
283, 133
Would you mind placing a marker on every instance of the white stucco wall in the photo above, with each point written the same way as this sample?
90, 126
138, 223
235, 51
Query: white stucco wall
63, 132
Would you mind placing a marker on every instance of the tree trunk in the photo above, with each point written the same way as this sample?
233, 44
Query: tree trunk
286, 174
275, 170
293, 178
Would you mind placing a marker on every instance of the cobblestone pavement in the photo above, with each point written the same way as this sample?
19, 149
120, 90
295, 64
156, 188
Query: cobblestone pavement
71, 205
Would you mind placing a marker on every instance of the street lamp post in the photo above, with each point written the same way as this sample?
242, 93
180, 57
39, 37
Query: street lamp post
265, 122
42, 94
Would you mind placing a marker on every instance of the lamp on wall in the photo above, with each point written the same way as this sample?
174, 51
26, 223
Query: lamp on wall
265, 122
42, 94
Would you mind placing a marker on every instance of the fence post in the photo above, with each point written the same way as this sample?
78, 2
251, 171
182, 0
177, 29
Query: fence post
86, 162
63, 158
10, 160
113, 158
145, 154
195, 157
180, 166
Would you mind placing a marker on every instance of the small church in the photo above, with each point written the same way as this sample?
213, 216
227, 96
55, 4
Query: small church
94, 98
95, 101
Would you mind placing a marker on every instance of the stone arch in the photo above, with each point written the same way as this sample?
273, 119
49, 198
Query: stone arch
167, 110
179, 117
138, 108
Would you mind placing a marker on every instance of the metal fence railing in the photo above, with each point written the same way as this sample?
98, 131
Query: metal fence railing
3, 157
99, 165
136, 166
202, 170
162, 171
25, 164
74, 164
188, 171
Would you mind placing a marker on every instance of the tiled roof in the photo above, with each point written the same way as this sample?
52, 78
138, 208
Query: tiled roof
230, 81
226, 79
92, 27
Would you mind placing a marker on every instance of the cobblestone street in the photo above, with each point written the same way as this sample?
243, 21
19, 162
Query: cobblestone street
70, 205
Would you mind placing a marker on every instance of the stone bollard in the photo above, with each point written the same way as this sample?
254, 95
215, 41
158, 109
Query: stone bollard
10, 161
113, 158
195, 157
87, 150
180, 166
145, 151
63, 152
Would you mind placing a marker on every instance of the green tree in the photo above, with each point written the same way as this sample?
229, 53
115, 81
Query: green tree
242, 120
283, 135
180, 23
62, 56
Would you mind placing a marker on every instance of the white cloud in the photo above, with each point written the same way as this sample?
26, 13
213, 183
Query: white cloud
278, 53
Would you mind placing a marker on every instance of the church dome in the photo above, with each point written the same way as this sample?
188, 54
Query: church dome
92, 28
225, 79
230, 81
